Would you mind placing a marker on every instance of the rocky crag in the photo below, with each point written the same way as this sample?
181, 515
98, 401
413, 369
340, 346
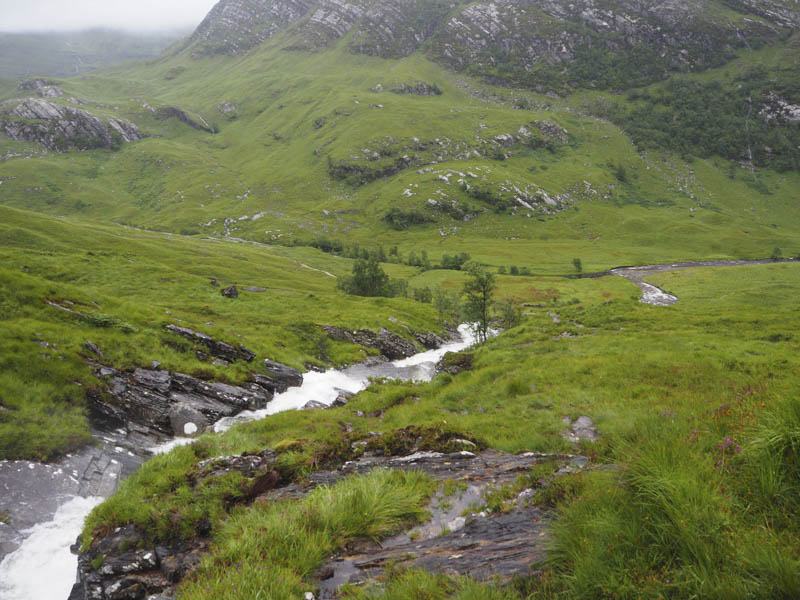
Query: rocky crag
62, 128
508, 40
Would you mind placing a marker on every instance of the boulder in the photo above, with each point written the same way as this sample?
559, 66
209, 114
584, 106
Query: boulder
343, 398
187, 421
231, 292
455, 362
314, 405
279, 378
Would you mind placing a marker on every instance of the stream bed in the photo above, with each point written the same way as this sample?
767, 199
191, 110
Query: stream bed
54, 500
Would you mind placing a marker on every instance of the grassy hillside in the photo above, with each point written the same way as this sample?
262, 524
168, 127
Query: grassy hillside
307, 149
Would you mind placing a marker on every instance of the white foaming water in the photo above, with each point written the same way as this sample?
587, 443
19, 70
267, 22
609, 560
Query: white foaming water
325, 387
43, 566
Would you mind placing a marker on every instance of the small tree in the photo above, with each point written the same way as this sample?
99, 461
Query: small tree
576, 262
777, 253
478, 299
510, 313
447, 306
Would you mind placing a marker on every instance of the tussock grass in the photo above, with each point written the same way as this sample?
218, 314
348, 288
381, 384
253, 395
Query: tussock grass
270, 550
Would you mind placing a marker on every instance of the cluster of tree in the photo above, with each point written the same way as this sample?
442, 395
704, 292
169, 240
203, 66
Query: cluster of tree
474, 305
452, 262
513, 270
369, 279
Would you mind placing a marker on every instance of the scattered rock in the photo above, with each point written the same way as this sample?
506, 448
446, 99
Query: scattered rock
255, 290
214, 282
231, 292
582, 429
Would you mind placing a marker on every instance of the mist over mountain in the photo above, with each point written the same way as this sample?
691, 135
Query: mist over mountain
62, 54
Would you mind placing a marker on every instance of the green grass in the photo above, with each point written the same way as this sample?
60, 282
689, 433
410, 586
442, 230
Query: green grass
665, 386
292, 539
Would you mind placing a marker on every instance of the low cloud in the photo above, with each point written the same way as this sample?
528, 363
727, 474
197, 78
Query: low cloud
132, 15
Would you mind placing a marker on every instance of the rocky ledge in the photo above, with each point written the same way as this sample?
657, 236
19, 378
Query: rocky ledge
484, 544
389, 344
63, 128
162, 403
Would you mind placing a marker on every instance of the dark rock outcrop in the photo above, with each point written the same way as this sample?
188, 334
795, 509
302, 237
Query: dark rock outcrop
216, 348
159, 400
63, 128
389, 344
123, 566
231, 292
172, 112
455, 362
279, 378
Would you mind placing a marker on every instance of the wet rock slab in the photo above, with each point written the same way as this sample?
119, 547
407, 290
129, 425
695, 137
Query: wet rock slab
489, 547
483, 545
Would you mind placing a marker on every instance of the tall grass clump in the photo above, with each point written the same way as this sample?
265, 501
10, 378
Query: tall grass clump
412, 583
269, 550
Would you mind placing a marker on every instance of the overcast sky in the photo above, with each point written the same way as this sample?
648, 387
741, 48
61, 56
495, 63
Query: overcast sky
70, 15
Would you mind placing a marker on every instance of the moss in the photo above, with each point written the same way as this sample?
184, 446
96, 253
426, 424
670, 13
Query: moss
427, 438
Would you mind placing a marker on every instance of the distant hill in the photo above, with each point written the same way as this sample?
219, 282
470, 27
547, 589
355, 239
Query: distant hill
73, 53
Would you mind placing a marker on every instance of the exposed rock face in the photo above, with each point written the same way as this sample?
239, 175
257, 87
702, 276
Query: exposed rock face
63, 128
676, 34
219, 349
480, 36
132, 569
389, 344
160, 400
43, 87
236, 26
